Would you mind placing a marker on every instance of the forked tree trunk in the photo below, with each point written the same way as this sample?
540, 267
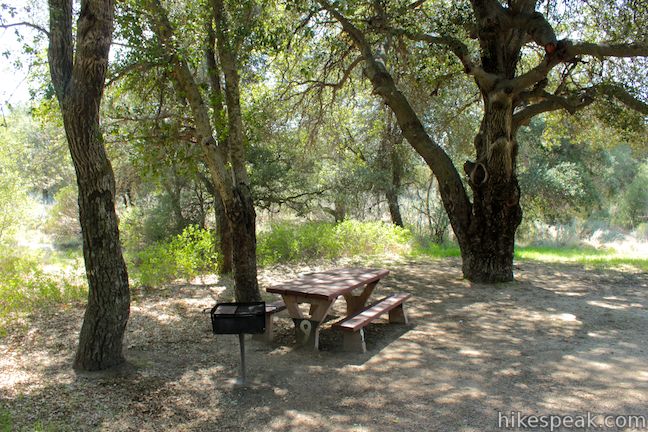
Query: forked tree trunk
485, 230
224, 151
78, 79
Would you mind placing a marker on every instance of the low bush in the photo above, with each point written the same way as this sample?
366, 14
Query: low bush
183, 257
25, 288
289, 242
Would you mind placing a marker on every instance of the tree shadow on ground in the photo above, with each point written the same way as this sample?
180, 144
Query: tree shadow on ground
559, 340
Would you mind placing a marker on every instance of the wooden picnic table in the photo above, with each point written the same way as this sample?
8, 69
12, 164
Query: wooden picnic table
321, 290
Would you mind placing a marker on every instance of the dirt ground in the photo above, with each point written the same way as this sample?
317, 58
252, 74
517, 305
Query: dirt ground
560, 340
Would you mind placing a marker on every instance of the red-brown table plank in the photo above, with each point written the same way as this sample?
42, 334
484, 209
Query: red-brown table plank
329, 284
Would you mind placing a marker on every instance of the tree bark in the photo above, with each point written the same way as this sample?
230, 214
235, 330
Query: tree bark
78, 79
225, 241
240, 211
488, 256
390, 142
394, 207
225, 244
242, 219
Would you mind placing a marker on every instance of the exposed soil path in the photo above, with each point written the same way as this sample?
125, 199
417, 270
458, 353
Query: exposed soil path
559, 340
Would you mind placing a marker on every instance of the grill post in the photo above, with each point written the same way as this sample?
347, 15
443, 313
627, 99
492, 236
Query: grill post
241, 378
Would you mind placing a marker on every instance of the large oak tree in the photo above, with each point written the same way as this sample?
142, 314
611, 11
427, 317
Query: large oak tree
495, 44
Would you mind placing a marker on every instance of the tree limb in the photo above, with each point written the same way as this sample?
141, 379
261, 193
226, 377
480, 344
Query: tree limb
552, 102
216, 97
567, 51
186, 85
346, 74
607, 50
453, 193
25, 24
458, 48
227, 54
118, 74
625, 97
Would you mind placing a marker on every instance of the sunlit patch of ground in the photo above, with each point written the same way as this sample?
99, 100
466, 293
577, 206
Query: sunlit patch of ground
559, 340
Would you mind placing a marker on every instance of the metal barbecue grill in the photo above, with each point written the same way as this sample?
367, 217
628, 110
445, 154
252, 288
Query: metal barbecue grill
241, 319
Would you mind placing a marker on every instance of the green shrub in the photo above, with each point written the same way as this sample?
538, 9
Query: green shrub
184, 256
288, 242
153, 220
25, 288
6, 421
632, 209
62, 222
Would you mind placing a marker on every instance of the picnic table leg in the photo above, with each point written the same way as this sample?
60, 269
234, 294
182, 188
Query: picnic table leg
307, 329
356, 302
307, 333
398, 315
354, 341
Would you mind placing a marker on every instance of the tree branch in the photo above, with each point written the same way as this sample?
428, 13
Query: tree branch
573, 103
186, 86
216, 97
226, 44
566, 51
416, 4
118, 74
458, 48
625, 97
552, 102
346, 74
25, 24
530, 78
605, 50
453, 194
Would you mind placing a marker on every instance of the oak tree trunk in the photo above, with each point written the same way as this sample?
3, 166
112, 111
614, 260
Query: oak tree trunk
242, 218
225, 242
107, 311
392, 138
394, 188
488, 255
78, 79
394, 207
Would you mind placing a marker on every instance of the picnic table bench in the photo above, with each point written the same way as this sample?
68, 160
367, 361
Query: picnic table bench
270, 310
353, 326
321, 290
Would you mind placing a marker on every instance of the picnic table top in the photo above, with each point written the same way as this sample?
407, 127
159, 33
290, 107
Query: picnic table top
329, 284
